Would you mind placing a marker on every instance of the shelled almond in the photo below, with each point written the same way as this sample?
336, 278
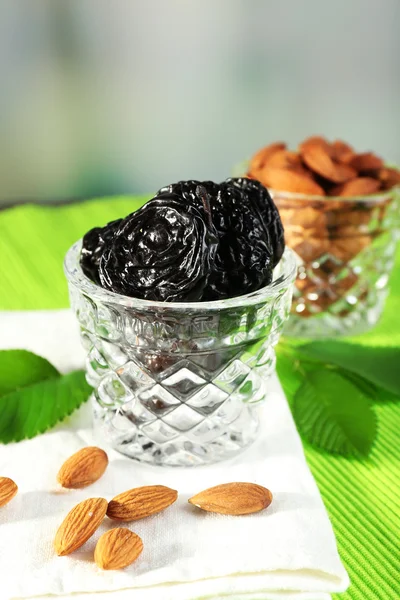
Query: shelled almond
117, 548
141, 502
8, 489
83, 468
320, 168
233, 498
79, 525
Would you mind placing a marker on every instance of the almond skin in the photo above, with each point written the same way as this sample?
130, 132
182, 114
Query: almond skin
316, 141
8, 489
79, 525
361, 186
117, 548
319, 161
140, 502
261, 156
389, 177
342, 152
233, 499
366, 161
289, 181
83, 468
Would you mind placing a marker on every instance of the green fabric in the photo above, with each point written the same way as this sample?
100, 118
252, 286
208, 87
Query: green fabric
362, 498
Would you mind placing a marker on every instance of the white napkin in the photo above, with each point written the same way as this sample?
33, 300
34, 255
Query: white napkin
287, 552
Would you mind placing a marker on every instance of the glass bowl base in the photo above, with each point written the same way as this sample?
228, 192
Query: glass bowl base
216, 443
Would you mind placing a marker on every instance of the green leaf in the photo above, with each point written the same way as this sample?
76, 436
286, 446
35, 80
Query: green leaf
19, 368
380, 365
334, 414
364, 385
289, 372
376, 394
37, 407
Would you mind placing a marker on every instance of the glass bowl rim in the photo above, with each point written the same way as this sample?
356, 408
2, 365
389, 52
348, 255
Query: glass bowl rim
379, 197
75, 276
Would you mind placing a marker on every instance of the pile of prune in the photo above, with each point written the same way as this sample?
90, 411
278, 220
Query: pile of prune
194, 241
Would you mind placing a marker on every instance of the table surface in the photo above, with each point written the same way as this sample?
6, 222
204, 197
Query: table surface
362, 497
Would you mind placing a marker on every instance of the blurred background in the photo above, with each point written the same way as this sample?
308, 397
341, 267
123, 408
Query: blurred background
105, 97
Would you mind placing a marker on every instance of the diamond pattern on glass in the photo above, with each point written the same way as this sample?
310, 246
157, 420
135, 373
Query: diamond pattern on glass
96, 366
232, 376
159, 432
252, 389
246, 424
158, 400
137, 413
108, 323
211, 363
229, 410
85, 311
207, 430
183, 383
183, 418
208, 399
265, 357
134, 376
113, 353
112, 391
121, 421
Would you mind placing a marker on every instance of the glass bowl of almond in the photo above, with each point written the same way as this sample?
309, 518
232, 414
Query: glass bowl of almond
340, 211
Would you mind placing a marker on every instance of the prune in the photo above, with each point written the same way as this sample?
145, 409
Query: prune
194, 241
92, 248
245, 257
164, 252
261, 199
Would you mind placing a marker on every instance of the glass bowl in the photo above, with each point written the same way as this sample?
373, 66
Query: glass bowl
179, 383
347, 249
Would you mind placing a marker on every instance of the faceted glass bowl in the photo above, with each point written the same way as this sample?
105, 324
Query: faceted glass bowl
347, 250
179, 383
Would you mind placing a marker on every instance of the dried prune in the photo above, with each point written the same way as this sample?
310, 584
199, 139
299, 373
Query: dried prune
193, 241
246, 252
263, 202
92, 248
164, 252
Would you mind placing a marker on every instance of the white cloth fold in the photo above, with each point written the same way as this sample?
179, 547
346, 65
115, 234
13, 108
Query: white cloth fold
287, 552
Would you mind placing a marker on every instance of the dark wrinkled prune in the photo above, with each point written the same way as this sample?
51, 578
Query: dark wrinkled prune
194, 241
164, 251
92, 248
244, 256
262, 200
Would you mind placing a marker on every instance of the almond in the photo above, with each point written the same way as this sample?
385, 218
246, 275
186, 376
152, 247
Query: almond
341, 151
344, 173
289, 181
79, 525
316, 141
361, 186
319, 161
83, 468
366, 161
233, 499
117, 548
8, 489
389, 177
141, 502
285, 159
260, 158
